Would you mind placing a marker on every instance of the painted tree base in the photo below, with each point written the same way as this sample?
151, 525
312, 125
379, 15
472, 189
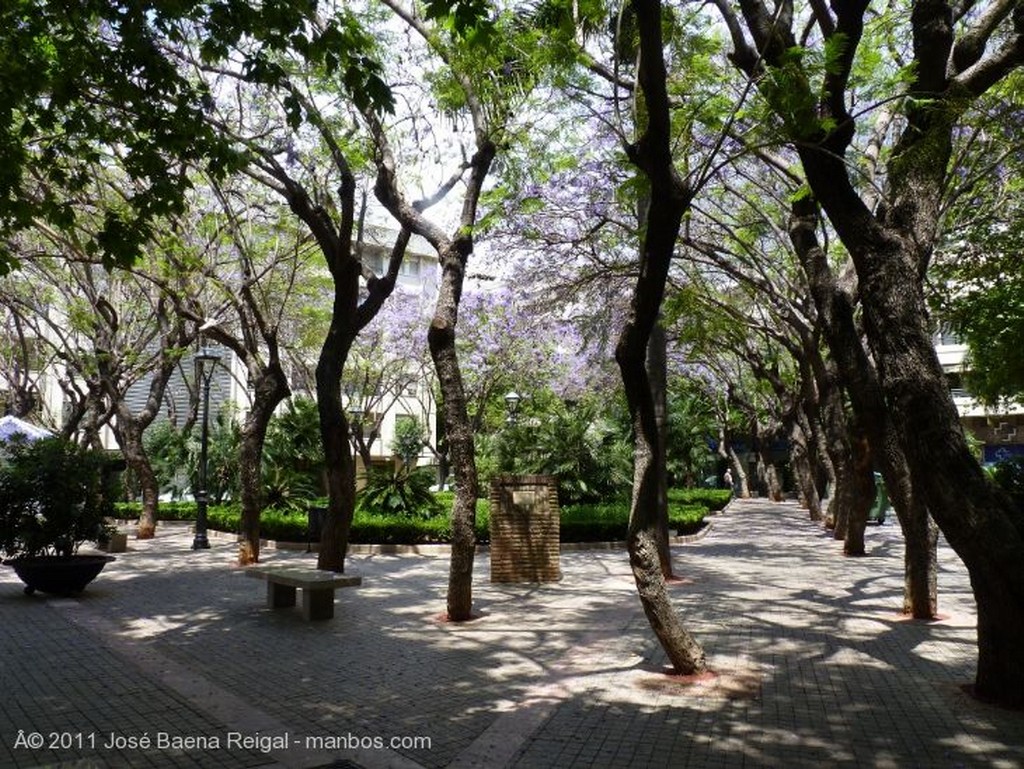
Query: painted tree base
674, 580
444, 619
736, 683
907, 617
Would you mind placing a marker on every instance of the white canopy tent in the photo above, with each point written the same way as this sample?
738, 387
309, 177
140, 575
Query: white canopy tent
11, 426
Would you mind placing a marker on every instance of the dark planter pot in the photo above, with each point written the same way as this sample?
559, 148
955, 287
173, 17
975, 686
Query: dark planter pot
60, 575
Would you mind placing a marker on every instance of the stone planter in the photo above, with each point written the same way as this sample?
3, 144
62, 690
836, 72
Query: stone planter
59, 575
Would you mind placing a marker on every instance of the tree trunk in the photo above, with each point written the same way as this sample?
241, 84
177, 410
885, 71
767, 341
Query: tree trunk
976, 517
768, 475
340, 465
862, 487
859, 376
726, 452
458, 431
669, 199
129, 435
921, 567
741, 480
334, 427
341, 474
271, 388
657, 367
803, 471
683, 650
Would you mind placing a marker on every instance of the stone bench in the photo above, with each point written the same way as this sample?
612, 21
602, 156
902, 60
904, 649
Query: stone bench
317, 588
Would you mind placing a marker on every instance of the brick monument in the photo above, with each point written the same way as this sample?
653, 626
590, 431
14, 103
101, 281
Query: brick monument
525, 525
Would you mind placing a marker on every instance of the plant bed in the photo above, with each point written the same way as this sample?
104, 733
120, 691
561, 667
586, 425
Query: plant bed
58, 574
583, 522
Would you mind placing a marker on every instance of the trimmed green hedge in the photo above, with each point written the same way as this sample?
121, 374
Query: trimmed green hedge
713, 499
594, 522
291, 526
603, 522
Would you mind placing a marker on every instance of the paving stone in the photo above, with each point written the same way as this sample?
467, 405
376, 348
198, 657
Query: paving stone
174, 641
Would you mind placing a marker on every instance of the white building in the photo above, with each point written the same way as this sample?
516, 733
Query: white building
1000, 431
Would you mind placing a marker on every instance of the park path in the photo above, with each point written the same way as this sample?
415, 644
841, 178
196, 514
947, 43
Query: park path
816, 666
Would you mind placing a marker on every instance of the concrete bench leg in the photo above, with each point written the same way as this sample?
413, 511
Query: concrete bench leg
280, 596
317, 604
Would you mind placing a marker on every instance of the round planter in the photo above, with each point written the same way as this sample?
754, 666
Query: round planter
60, 575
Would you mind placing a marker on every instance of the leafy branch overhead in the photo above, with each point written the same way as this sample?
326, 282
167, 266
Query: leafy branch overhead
95, 85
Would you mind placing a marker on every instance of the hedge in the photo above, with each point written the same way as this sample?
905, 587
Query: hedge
713, 499
602, 522
292, 526
595, 522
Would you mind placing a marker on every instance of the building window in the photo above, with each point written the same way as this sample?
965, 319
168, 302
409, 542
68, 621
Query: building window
411, 267
947, 336
375, 262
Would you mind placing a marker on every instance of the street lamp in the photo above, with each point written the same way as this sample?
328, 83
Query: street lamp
512, 400
204, 374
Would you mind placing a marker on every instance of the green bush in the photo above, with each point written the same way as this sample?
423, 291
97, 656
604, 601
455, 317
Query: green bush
293, 457
54, 495
713, 499
590, 455
609, 521
447, 498
584, 522
166, 511
399, 493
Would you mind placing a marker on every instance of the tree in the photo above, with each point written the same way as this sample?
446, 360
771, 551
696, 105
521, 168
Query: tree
670, 197
312, 79
975, 284
756, 281
891, 243
387, 361
480, 71
113, 336
233, 276
22, 356
87, 80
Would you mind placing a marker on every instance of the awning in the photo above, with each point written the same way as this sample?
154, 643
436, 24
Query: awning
11, 426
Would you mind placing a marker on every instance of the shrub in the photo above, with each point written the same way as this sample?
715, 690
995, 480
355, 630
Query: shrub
293, 457
713, 499
589, 455
285, 488
445, 499
54, 495
410, 438
399, 493
584, 522
610, 521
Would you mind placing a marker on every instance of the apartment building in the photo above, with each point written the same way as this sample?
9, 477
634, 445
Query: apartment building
1000, 431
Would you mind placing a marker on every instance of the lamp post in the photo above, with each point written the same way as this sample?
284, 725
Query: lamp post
512, 400
206, 355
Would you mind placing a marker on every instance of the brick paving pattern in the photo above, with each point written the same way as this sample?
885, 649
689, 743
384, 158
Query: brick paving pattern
815, 665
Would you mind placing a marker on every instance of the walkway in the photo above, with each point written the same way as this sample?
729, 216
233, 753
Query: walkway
170, 660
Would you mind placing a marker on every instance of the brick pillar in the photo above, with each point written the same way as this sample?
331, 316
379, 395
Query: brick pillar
525, 526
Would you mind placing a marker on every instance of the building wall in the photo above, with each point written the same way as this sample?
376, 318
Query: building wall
999, 430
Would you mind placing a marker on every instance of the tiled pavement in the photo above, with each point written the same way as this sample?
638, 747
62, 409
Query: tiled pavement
170, 659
